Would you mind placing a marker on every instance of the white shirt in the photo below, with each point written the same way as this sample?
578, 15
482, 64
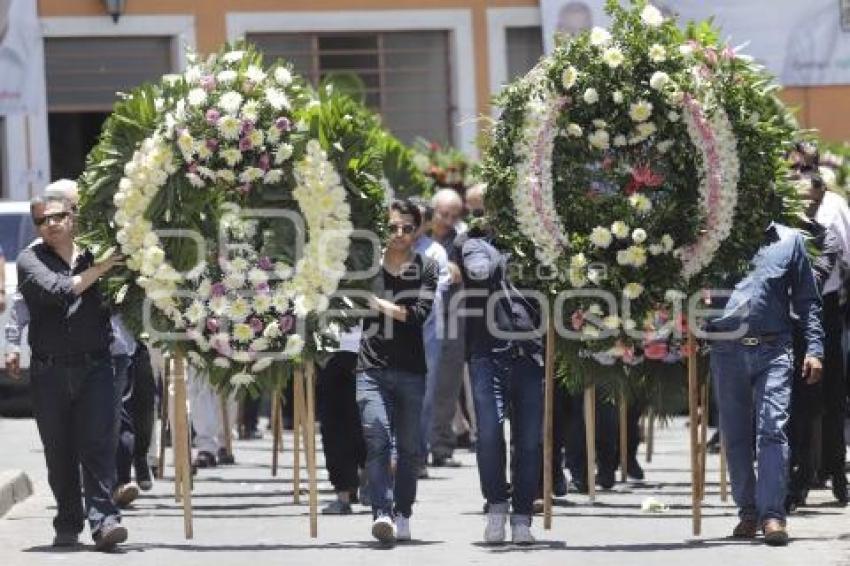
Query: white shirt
834, 214
429, 248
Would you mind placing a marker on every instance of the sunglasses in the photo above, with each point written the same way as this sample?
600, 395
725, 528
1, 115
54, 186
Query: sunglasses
47, 218
406, 229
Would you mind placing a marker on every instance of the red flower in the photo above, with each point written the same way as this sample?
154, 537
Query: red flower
643, 176
655, 350
578, 319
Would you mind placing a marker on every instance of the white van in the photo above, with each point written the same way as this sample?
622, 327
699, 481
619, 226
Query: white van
16, 233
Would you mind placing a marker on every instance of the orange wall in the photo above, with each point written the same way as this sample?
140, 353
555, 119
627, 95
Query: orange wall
823, 108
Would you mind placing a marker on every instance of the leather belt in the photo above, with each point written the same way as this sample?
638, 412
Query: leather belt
751, 341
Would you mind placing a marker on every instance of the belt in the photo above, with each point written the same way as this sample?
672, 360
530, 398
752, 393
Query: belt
72, 360
758, 340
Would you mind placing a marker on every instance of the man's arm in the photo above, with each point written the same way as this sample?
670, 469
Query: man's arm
479, 264
19, 318
418, 312
807, 305
43, 286
2, 281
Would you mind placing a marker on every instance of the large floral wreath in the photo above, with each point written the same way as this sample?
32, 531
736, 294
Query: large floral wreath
644, 161
234, 195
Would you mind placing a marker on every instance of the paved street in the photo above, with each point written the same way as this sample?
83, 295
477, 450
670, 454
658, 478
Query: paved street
242, 514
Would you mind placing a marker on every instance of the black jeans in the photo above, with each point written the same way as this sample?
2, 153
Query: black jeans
76, 410
342, 434
606, 437
834, 387
137, 415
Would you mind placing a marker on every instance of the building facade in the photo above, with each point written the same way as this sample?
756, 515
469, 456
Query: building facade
429, 67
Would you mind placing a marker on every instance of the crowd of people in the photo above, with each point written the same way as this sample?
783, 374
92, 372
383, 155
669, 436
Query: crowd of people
416, 380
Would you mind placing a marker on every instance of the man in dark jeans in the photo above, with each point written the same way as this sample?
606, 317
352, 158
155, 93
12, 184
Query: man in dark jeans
391, 373
507, 379
75, 400
137, 417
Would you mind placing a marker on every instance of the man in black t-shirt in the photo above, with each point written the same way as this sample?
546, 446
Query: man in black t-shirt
391, 373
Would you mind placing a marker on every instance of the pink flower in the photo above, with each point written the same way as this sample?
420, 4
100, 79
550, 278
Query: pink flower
218, 289
262, 288
265, 262
283, 124
193, 167
212, 144
245, 189
256, 324
265, 163
245, 144
247, 127
213, 116
208, 83
286, 323
212, 324
710, 55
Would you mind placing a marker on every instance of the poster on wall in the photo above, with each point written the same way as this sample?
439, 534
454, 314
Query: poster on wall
802, 42
19, 40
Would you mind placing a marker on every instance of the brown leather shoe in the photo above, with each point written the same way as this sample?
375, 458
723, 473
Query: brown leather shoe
775, 533
747, 528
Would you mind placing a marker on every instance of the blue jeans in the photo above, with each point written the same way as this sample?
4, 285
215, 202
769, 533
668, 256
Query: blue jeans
433, 348
390, 402
505, 385
756, 379
76, 410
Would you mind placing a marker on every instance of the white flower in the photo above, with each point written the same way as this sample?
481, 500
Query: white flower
234, 280
192, 74
578, 261
664, 147
569, 77
620, 140
283, 153
578, 279
673, 116
239, 309
600, 139
226, 77
647, 129
243, 332
601, 237
255, 74
226, 175
262, 303
218, 305
613, 57
575, 130
257, 276
260, 345
656, 249
595, 309
667, 242
629, 324
229, 127
633, 290
623, 257
611, 322
641, 203
686, 50
186, 144
652, 16
294, 345
195, 312
599, 36
283, 76
262, 364
220, 362
273, 177
591, 96
230, 101
618, 97
231, 156
250, 110
196, 97
600, 123
640, 111
674, 296
272, 331
195, 180
657, 53
233, 56
620, 229
659, 80
639, 235
277, 99
241, 379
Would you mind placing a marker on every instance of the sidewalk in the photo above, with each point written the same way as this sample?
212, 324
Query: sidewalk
242, 514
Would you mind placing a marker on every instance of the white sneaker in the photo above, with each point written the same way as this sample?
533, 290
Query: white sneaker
402, 528
384, 530
494, 532
521, 534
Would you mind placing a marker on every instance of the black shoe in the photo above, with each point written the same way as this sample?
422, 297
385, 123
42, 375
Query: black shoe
144, 475
66, 540
794, 501
839, 487
464, 441
422, 474
579, 486
559, 484
713, 444
606, 480
224, 458
107, 538
634, 471
204, 459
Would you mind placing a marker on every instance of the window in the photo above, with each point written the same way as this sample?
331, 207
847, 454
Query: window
525, 47
404, 76
83, 76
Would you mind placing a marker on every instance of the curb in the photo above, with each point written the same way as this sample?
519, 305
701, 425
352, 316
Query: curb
15, 486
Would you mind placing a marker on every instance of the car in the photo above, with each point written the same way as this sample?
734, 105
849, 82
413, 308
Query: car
16, 233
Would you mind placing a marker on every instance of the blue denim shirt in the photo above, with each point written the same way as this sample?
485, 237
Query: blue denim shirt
780, 282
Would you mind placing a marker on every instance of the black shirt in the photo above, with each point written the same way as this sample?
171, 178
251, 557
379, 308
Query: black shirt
61, 323
390, 343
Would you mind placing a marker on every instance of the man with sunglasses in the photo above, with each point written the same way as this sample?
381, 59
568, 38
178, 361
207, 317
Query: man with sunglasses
74, 394
391, 372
